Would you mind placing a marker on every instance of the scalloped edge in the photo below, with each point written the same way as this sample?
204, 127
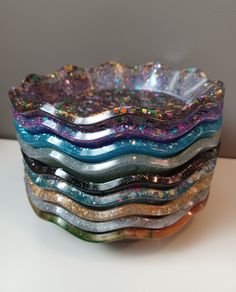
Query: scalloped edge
113, 168
123, 234
139, 194
214, 92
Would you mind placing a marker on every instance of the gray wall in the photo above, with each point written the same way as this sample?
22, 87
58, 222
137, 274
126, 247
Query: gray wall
40, 36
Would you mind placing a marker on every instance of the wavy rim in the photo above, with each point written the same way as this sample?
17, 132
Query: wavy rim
129, 233
118, 148
121, 223
131, 195
39, 124
154, 181
114, 168
132, 209
214, 92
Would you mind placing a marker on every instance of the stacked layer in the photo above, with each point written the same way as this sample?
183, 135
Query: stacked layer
118, 152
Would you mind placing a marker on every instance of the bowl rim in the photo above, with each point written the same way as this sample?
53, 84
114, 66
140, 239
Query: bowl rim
211, 92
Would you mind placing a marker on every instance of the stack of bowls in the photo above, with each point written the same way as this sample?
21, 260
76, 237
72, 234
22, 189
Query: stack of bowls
118, 152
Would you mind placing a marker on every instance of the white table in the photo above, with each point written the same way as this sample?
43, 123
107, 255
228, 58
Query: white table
39, 256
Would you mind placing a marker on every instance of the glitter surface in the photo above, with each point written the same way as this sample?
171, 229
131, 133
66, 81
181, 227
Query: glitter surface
123, 211
172, 178
118, 152
131, 146
129, 222
122, 234
84, 97
124, 165
122, 197
123, 129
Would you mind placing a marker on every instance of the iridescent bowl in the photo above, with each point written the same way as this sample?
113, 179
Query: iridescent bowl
118, 152
152, 189
69, 223
112, 91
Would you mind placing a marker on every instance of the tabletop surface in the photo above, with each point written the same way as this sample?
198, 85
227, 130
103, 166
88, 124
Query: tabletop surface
39, 256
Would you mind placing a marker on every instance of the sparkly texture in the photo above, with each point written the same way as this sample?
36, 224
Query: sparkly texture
90, 96
146, 180
120, 147
124, 165
117, 132
134, 222
130, 195
117, 152
127, 233
123, 211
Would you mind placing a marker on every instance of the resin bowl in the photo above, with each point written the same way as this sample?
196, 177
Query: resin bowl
118, 152
147, 94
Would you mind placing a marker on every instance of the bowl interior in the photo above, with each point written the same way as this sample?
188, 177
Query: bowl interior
113, 85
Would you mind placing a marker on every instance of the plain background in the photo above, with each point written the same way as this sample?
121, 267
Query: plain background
40, 36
